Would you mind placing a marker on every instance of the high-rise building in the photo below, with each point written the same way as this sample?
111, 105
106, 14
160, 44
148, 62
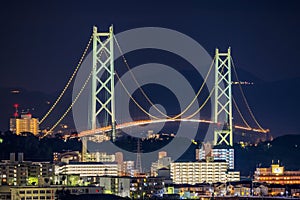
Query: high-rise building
127, 168
119, 157
162, 154
226, 154
26, 123
217, 153
163, 162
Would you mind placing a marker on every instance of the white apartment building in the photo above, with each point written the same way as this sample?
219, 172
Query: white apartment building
88, 169
218, 154
199, 172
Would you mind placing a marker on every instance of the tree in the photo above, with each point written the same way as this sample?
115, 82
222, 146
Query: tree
46, 180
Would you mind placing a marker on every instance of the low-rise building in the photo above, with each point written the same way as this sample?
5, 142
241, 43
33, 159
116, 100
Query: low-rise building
276, 174
53, 192
146, 187
5, 192
233, 176
100, 157
117, 185
88, 169
188, 190
66, 157
22, 173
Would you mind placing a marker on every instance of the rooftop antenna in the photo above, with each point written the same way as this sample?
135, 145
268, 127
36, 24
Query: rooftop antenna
16, 113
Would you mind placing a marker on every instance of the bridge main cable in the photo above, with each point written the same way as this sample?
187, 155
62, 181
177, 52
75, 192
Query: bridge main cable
240, 113
202, 106
137, 104
72, 104
149, 100
246, 102
68, 83
69, 108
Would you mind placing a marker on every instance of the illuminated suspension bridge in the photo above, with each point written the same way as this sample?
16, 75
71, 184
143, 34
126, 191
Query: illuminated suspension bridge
103, 61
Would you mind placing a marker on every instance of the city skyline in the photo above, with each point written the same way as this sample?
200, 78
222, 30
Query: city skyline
149, 100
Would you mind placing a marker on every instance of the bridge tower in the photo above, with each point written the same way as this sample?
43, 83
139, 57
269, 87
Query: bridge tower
103, 85
223, 100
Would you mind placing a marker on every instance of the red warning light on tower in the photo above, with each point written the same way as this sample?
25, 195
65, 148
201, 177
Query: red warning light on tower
16, 113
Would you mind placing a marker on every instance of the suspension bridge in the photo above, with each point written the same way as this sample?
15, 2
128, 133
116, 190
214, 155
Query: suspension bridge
102, 107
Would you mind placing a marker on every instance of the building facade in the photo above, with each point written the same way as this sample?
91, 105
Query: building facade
198, 172
127, 168
162, 162
88, 169
146, 187
226, 154
201, 171
52, 193
115, 185
217, 153
26, 123
276, 174
22, 173
100, 157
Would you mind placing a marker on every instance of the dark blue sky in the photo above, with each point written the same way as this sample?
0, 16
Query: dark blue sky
42, 41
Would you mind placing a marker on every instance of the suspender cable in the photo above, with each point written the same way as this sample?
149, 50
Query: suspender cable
68, 83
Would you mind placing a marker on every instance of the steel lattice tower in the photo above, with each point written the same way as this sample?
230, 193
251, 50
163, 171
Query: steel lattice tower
223, 100
138, 164
103, 80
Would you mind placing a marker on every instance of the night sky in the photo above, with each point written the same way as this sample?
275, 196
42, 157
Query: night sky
42, 41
